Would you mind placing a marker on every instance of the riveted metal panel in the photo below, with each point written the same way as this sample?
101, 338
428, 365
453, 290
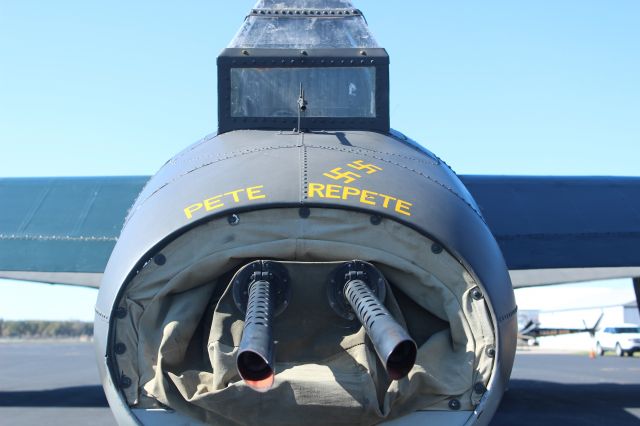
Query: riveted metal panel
278, 168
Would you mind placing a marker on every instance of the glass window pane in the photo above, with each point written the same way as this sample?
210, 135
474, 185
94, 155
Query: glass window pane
304, 4
304, 33
329, 92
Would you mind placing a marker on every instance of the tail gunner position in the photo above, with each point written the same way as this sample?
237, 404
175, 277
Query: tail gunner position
306, 264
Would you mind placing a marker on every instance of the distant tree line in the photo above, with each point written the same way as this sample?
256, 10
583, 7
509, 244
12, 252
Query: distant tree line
45, 329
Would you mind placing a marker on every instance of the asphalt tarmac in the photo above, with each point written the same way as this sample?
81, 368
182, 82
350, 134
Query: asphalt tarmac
58, 384
53, 384
565, 389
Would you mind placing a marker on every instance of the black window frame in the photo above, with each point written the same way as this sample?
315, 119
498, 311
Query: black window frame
306, 58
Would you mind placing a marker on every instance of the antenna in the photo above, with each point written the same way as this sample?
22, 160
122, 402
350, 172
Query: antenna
302, 106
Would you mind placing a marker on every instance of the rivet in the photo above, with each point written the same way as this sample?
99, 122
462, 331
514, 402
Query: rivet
491, 351
304, 212
121, 312
363, 53
159, 259
479, 388
125, 382
245, 52
375, 219
476, 293
119, 348
454, 404
436, 248
304, 53
233, 219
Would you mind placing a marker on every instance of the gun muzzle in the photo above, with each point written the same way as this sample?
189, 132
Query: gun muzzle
395, 348
260, 290
255, 354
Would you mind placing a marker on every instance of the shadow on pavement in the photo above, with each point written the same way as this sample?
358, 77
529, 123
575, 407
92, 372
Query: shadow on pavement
527, 402
530, 402
78, 396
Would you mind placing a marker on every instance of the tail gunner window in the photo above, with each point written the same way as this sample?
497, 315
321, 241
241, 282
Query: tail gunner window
329, 92
306, 65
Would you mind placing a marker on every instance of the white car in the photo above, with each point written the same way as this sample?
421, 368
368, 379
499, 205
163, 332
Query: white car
623, 339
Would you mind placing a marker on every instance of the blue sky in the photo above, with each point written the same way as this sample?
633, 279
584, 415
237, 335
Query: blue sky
499, 87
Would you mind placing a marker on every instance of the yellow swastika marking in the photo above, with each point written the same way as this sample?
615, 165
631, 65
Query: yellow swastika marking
338, 174
359, 165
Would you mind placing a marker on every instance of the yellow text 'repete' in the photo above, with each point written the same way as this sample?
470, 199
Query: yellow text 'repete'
362, 196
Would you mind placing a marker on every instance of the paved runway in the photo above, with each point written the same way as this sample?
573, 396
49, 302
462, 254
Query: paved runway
51, 384
567, 390
58, 384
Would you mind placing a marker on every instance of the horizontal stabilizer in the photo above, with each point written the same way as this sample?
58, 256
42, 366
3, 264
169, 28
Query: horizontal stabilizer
62, 230
550, 229
562, 224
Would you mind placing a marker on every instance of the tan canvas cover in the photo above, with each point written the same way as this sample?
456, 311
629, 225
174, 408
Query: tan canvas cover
183, 329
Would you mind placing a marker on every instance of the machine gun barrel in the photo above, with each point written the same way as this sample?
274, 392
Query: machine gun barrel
255, 361
395, 348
